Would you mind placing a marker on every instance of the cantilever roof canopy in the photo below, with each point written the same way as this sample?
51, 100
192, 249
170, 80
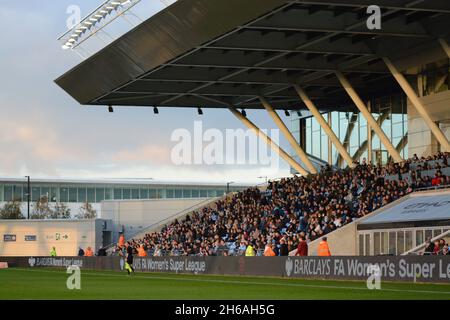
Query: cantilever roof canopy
217, 53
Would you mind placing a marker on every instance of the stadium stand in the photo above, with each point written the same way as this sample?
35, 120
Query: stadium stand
292, 208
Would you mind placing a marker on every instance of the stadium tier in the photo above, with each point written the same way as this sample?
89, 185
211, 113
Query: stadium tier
276, 220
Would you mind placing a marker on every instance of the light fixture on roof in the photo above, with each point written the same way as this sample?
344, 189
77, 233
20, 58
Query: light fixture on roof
244, 113
155, 110
200, 111
286, 112
299, 113
114, 8
110, 109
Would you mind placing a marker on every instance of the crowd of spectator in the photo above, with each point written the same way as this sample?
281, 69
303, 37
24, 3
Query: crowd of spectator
438, 247
289, 212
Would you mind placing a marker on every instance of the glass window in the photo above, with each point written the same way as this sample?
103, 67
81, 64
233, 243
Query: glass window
17, 193
134, 193
170, 193
35, 193
144, 194
419, 237
73, 197
211, 193
54, 194
82, 195
408, 240
400, 242
187, 193
108, 194
99, 194
428, 234
376, 243
91, 195
203, 193
45, 191
126, 193
117, 194
195, 194
436, 232
361, 244
178, 193
153, 194
384, 243
367, 244
392, 243
64, 194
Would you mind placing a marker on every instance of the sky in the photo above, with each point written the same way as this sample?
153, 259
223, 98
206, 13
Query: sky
45, 133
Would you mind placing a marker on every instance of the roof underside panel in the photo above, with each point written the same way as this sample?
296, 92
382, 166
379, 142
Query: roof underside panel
220, 53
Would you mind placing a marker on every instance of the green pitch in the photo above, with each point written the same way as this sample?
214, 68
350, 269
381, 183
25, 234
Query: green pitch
37, 283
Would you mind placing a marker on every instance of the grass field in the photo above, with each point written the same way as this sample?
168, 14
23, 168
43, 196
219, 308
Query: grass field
17, 283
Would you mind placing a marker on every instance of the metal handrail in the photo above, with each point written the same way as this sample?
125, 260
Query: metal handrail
421, 246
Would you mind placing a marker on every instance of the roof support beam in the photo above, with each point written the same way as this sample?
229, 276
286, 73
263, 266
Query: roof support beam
325, 126
370, 119
269, 141
445, 46
409, 91
288, 135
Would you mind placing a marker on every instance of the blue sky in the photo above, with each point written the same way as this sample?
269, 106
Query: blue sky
45, 133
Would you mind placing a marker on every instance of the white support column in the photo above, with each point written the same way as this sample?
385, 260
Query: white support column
370, 119
445, 46
320, 119
409, 91
288, 135
269, 141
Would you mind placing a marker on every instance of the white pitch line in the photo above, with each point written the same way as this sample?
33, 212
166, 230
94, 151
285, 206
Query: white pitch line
139, 276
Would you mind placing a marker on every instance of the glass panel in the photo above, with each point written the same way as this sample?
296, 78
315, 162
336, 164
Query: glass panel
187, 193
428, 234
195, 193
73, 195
99, 194
108, 194
134, 193
153, 194
35, 193
64, 194
384, 243
178, 193
82, 195
54, 194
144, 194
45, 191
367, 244
126, 194
117, 194
400, 242
419, 237
18, 193
392, 243
8, 193
408, 240
91, 195
203, 193
436, 232
170, 193
211, 193
361, 244
376, 243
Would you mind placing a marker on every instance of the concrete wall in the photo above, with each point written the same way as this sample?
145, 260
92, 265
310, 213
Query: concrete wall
136, 215
67, 236
420, 138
